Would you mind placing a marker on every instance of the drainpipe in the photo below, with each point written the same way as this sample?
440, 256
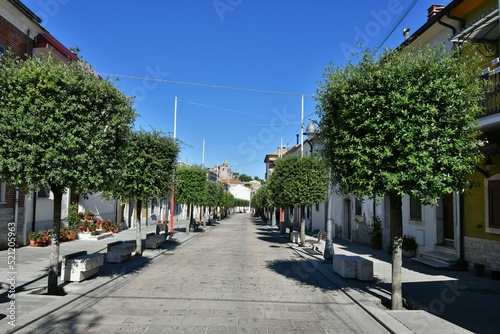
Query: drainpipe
27, 43
462, 227
34, 212
16, 213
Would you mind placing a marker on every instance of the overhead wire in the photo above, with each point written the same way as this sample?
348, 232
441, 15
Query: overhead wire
173, 82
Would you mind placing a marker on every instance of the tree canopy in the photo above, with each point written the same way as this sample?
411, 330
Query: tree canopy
405, 122
299, 181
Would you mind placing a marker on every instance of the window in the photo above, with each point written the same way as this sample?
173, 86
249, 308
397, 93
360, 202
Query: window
415, 209
357, 207
494, 204
3, 188
43, 193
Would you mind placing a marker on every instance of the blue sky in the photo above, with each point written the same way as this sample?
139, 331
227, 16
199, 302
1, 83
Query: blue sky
274, 46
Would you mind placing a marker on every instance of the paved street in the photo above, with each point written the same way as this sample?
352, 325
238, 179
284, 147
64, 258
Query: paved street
235, 278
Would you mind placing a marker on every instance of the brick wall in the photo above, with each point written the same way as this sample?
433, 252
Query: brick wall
13, 38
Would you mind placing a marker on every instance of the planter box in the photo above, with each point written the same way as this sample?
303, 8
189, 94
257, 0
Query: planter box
409, 253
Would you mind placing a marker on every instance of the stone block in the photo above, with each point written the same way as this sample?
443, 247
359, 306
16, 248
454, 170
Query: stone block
119, 251
78, 266
154, 240
345, 266
364, 269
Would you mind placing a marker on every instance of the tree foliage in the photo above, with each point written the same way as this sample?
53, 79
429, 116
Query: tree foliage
147, 167
406, 122
190, 184
299, 181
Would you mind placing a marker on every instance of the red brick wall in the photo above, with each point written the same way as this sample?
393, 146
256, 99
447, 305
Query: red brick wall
12, 37
10, 198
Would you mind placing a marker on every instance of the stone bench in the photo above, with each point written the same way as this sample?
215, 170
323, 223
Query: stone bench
353, 267
154, 240
164, 228
119, 251
78, 266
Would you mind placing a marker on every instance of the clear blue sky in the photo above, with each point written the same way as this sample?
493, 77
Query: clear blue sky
276, 45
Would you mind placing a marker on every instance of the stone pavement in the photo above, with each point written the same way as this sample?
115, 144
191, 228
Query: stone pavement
31, 265
449, 301
235, 278
443, 301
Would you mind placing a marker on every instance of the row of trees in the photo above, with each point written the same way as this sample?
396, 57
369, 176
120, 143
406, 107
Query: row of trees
193, 188
296, 182
401, 123
64, 127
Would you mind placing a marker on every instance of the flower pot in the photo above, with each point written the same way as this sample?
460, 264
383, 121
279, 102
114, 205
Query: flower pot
375, 244
33, 243
409, 252
71, 235
495, 274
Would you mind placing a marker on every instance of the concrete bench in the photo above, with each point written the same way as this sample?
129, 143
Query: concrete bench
353, 267
154, 240
345, 266
364, 269
119, 251
164, 228
78, 266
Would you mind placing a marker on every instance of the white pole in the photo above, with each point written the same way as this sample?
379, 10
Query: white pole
203, 154
172, 199
175, 117
302, 128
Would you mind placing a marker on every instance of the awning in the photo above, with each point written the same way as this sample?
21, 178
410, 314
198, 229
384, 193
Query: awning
484, 29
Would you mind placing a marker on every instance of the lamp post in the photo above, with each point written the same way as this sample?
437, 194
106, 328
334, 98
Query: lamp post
311, 133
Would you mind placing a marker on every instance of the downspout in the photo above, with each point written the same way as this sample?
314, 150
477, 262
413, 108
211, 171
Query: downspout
16, 214
33, 213
27, 43
462, 227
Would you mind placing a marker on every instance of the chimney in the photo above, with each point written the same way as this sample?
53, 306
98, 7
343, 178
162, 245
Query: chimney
406, 33
433, 10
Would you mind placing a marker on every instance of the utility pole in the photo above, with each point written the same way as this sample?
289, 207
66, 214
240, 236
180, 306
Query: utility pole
172, 199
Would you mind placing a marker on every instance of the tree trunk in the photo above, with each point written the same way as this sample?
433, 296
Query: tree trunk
190, 216
138, 229
302, 227
397, 242
56, 231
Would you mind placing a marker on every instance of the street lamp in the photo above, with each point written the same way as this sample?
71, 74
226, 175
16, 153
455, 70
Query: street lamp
311, 133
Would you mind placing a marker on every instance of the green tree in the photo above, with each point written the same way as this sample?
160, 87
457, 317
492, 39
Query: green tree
402, 124
190, 188
63, 127
298, 182
146, 171
214, 196
245, 178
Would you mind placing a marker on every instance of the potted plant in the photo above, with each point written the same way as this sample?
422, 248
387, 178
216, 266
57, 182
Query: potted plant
479, 269
375, 231
409, 246
34, 238
73, 221
88, 226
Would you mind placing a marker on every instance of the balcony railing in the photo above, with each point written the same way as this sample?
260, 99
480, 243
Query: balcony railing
491, 102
